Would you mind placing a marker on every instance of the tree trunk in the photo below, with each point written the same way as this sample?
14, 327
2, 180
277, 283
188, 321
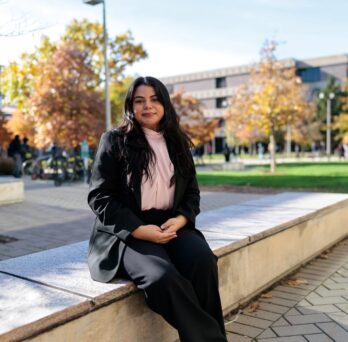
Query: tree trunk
272, 152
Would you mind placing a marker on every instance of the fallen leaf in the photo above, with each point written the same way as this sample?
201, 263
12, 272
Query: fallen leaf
266, 295
253, 307
296, 281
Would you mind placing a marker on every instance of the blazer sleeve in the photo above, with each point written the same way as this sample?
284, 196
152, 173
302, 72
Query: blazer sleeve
106, 192
189, 204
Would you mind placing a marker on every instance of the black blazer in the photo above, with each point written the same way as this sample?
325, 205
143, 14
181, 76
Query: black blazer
117, 206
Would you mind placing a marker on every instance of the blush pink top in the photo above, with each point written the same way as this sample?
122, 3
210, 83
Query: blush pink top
156, 192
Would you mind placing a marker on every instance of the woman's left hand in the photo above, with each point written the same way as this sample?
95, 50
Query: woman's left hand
174, 224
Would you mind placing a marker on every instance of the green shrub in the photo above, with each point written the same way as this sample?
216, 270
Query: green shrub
6, 166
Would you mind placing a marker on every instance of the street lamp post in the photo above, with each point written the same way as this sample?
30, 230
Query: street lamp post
106, 67
328, 98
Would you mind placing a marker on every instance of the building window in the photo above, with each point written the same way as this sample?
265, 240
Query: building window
221, 102
309, 75
220, 82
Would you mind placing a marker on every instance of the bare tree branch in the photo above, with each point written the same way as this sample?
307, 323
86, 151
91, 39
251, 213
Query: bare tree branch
20, 24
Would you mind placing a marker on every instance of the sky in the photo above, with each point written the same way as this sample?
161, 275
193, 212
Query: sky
185, 36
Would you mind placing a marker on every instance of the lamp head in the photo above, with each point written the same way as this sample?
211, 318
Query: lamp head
93, 2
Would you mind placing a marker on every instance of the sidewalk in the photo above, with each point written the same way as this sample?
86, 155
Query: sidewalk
211, 163
55, 216
310, 305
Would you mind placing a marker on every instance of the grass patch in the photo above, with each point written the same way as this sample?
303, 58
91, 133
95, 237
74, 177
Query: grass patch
324, 176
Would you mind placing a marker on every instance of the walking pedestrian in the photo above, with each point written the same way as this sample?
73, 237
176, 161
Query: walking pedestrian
226, 152
145, 196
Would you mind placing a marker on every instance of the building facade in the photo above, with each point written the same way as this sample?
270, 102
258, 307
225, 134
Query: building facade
214, 87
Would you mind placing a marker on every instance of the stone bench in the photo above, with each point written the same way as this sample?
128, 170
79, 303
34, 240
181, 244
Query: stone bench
49, 296
11, 190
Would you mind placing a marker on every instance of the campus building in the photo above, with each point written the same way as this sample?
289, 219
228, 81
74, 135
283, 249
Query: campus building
214, 87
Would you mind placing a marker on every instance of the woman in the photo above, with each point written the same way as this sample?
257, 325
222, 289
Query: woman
146, 198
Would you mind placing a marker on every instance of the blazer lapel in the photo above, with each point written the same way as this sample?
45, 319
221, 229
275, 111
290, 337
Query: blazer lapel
178, 191
178, 180
137, 194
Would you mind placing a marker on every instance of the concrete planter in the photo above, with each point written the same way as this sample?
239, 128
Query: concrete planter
11, 190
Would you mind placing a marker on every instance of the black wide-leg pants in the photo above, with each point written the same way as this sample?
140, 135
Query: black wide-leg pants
179, 279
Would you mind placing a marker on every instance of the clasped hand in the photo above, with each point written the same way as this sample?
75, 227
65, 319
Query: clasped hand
163, 234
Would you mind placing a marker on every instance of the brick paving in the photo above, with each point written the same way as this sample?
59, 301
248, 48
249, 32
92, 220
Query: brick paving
310, 305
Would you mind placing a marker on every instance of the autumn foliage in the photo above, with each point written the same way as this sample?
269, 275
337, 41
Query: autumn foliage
58, 89
22, 123
272, 99
192, 120
4, 133
68, 110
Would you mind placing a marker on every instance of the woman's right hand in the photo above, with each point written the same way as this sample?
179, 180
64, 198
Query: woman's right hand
153, 233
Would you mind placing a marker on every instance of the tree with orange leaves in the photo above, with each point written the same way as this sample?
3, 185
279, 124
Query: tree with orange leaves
23, 123
67, 108
192, 120
5, 136
239, 119
272, 99
19, 79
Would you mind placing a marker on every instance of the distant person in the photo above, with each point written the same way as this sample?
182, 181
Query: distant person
145, 196
26, 150
260, 150
226, 152
54, 151
210, 149
297, 150
340, 151
14, 151
199, 152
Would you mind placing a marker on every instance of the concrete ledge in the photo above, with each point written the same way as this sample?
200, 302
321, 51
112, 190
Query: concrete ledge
11, 190
49, 296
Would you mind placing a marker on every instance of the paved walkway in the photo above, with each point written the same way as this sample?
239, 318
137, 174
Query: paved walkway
209, 163
55, 216
310, 305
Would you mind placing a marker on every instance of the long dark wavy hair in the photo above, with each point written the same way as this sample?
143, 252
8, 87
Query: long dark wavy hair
137, 152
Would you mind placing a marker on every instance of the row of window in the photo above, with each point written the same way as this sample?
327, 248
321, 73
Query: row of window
308, 75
